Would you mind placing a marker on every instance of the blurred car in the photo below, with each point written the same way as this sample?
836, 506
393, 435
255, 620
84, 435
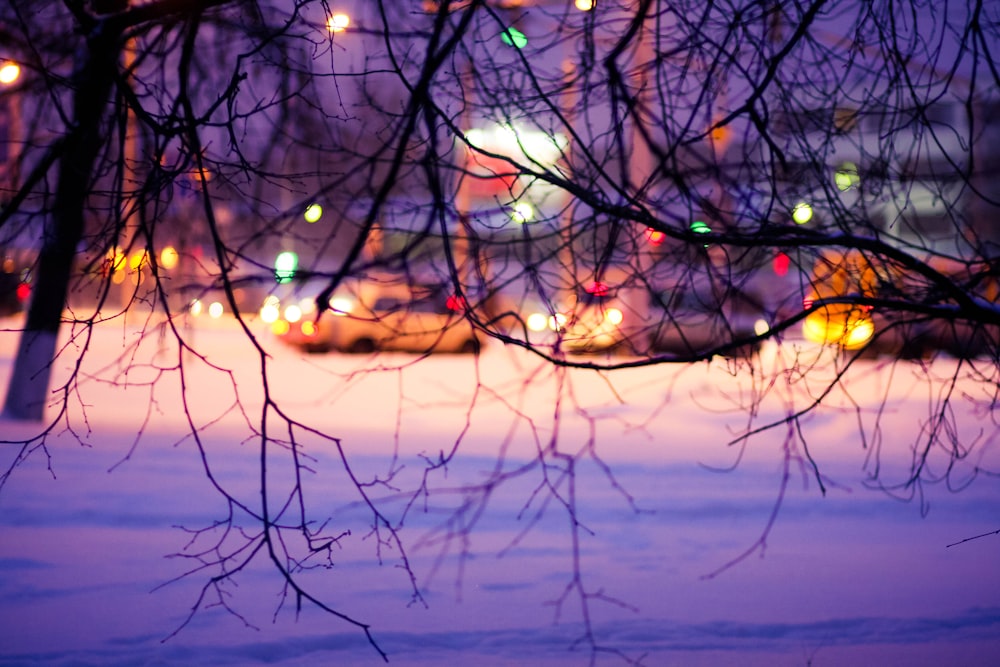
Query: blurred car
374, 313
692, 318
521, 315
598, 317
856, 326
852, 325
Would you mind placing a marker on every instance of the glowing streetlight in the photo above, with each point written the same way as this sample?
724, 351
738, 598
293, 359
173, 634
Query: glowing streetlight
584, 5
338, 22
9, 73
522, 213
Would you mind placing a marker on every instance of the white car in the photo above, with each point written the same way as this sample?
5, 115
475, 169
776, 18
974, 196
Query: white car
382, 312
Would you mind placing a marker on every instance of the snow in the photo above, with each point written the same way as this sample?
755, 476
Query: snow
88, 526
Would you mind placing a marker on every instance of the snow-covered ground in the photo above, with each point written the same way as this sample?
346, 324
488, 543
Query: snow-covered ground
850, 577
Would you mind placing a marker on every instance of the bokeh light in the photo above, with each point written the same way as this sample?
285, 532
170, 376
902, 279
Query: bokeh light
169, 257
700, 227
522, 213
338, 22
537, 322
313, 213
802, 213
846, 176
271, 310
341, 305
9, 73
138, 260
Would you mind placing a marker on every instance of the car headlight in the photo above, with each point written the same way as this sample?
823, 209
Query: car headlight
341, 305
537, 322
859, 333
271, 310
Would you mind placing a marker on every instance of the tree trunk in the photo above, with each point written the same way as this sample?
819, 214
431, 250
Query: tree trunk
28, 388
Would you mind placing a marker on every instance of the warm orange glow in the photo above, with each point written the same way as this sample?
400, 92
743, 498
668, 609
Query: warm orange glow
338, 22
116, 259
537, 321
169, 257
846, 327
138, 260
9, 73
